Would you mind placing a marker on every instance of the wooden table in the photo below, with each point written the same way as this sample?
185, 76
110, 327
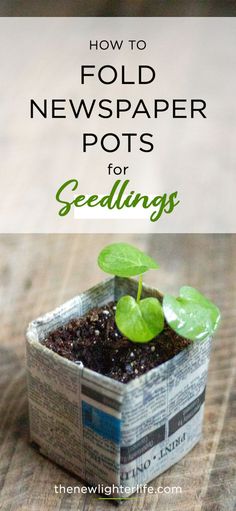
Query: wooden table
39, 272
117, 8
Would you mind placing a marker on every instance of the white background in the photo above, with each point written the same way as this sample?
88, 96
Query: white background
193, 57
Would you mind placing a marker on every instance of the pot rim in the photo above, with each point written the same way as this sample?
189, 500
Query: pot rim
33, 338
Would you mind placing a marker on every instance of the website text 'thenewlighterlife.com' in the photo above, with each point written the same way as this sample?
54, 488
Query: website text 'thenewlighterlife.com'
116, 489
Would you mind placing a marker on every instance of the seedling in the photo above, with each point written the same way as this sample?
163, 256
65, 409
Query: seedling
191, 314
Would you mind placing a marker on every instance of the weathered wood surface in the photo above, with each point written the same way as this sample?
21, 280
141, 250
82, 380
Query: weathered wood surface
117, 8
39, 272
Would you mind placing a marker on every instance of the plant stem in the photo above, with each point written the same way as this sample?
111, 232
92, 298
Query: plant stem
140, 285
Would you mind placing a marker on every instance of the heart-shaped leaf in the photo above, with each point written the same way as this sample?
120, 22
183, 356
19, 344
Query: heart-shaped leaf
191, 314
124, 260
140, 322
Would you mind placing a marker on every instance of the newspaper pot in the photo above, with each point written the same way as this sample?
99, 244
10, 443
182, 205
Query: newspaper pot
107, 432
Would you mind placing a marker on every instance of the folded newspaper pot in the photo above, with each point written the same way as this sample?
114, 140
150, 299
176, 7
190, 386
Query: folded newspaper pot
108, 433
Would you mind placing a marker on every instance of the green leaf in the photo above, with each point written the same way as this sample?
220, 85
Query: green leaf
124, 260
191, 314
140, 322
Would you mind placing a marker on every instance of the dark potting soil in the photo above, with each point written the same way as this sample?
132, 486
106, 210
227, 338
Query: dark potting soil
95, 340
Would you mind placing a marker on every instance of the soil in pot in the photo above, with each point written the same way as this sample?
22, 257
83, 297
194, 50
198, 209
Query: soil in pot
95, 340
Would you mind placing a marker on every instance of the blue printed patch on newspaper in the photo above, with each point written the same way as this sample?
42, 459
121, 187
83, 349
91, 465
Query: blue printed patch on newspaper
102, 423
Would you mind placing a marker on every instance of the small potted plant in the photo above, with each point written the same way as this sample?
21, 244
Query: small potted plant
117, 376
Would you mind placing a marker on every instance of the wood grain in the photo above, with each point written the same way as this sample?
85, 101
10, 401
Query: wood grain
117, 8
39, 272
